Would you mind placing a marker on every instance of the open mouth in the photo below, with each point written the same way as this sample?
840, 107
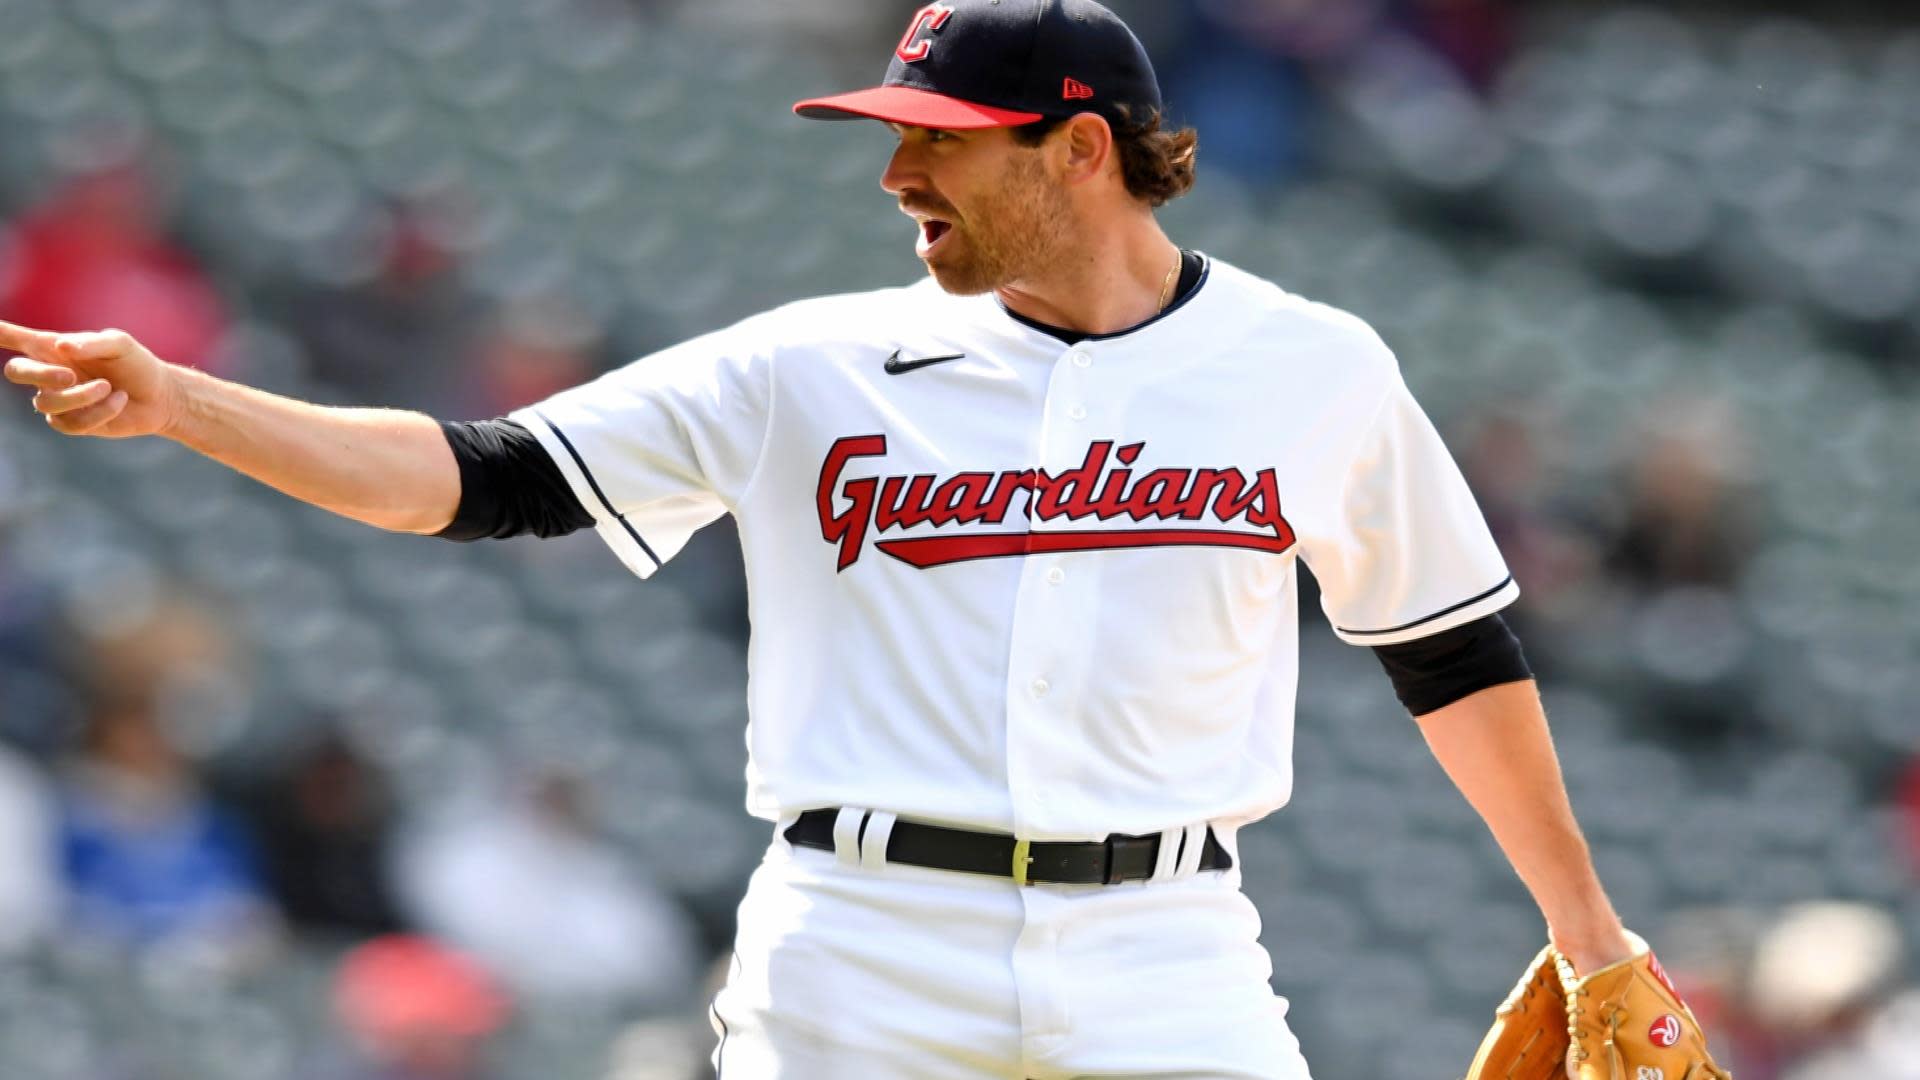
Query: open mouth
932, 232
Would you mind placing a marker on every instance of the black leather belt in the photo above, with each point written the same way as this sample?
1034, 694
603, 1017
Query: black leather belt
1040, 862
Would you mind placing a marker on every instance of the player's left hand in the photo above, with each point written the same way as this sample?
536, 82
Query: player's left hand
1623, 1021
1627, 1022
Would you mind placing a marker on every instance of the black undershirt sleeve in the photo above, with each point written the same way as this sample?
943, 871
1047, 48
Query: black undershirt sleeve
509, 485
1438, 670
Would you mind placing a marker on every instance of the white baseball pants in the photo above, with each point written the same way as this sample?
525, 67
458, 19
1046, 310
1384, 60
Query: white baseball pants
847, 967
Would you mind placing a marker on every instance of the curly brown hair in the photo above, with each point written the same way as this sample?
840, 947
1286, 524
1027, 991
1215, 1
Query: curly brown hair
1158, 165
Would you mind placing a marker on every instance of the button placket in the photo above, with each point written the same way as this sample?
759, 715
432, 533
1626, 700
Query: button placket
1046, 646
1067, 395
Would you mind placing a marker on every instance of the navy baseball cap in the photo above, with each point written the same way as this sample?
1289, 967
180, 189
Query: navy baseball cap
1000, 63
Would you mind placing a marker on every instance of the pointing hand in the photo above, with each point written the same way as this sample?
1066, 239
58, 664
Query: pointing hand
103, 384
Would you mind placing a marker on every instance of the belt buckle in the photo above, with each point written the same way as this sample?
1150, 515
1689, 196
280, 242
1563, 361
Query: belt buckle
1022, 860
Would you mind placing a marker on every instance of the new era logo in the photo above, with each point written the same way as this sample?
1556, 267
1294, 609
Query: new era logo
1074, 90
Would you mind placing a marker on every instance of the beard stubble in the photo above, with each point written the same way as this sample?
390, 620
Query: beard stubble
1013, 234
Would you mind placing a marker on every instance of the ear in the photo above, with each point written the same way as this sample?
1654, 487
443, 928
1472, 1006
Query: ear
1087, 143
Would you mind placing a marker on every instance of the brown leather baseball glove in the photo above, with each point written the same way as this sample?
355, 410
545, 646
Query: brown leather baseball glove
1622, 1022
1528, 1040
1626, 1022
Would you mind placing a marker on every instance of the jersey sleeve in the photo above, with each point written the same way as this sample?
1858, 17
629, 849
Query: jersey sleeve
1408, 553
664, 445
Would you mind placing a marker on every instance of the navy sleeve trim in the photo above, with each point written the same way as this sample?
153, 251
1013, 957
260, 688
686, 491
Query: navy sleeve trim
595, 485
1441, 614
1435, 671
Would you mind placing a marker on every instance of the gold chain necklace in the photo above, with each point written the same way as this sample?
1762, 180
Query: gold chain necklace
1166, 283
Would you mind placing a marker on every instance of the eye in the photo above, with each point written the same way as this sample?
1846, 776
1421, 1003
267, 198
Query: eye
939, 135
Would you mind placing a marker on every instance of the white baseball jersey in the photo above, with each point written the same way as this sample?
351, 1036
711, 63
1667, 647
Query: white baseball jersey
1021, 585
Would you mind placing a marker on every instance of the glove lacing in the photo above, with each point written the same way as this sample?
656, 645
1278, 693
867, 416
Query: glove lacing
1574, 1012
1576, 1049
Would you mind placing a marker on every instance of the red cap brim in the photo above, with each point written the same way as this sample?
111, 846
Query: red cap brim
912, 107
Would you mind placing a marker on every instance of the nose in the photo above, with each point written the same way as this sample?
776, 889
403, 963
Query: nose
905, 171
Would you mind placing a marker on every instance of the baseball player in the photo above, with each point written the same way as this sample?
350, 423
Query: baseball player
1021, 543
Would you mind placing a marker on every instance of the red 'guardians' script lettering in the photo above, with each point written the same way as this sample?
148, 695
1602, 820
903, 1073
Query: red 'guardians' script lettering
1101, 488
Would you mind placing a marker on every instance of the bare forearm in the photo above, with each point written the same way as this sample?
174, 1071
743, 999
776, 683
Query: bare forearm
385, 467
1495, 746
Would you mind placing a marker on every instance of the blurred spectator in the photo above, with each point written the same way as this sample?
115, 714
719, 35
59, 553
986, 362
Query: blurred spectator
401, 339
29, 881
1552, 557
532, 350
1817, 975
1887, 1047
1242, 76
1686, 522
1684, 535
412, 1009
149, 859
1474, 37
35, 705
94, 255
325, 822
1249, 73
524, 884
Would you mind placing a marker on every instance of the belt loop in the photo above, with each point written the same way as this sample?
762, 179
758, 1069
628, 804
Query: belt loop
1190, 854
873, 842
1165, 860
846, 834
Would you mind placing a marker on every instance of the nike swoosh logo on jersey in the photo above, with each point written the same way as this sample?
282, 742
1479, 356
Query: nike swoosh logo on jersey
897, 366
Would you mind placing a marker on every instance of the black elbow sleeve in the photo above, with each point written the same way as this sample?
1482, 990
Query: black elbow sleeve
1437, 671
509, 485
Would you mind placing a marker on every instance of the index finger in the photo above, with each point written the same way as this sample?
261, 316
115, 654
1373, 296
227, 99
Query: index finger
24, 340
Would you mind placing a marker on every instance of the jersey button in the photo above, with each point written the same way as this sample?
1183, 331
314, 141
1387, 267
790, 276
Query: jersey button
1056, 575
1078, 412
1081, 359
1040, 688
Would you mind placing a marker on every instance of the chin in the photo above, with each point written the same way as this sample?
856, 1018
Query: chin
958, 284
963, 279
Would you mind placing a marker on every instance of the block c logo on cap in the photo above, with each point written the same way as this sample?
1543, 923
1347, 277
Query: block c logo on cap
933, 17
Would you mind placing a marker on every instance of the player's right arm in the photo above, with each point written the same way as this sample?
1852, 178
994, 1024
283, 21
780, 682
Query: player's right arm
388, 468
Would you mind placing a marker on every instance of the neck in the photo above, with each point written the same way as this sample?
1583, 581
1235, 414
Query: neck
1113, 279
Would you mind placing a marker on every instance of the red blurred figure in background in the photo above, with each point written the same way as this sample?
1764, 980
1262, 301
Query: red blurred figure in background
94, 253
1907, 801
414, 1010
